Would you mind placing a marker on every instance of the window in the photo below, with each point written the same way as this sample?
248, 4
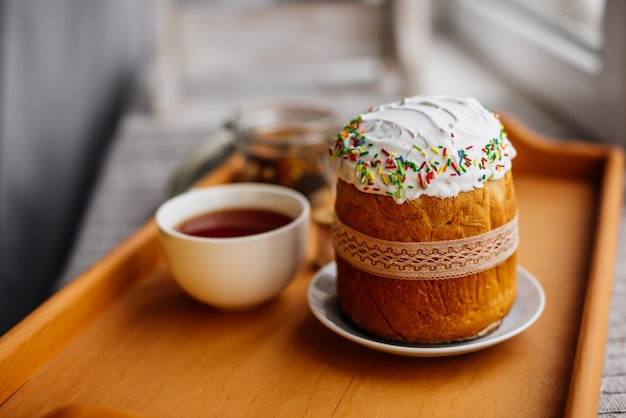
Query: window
567, 56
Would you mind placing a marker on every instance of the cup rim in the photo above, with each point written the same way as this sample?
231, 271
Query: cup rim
235, 188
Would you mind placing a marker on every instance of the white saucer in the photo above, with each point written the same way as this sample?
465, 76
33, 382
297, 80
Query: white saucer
525, 311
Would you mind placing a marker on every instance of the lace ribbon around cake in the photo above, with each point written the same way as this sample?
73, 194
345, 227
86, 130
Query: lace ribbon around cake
425, 260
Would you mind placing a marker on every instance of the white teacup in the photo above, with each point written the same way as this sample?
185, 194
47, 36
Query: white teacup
235, 272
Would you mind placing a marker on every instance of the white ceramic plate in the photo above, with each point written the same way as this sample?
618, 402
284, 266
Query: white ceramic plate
527, 308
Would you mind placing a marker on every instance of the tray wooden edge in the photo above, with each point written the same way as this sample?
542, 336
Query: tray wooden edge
545, 155
585, 382
607, 164
44, 332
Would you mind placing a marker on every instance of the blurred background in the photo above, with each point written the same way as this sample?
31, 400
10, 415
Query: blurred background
554, 61
104, 104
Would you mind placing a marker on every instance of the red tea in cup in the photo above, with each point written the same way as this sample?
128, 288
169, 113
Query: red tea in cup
230, 223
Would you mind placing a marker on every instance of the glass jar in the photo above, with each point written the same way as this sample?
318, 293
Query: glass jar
288, 145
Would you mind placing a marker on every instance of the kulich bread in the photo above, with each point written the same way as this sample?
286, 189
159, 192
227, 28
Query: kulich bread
385, 195
427, 310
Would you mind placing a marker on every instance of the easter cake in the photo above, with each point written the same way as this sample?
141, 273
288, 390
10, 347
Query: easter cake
425, 232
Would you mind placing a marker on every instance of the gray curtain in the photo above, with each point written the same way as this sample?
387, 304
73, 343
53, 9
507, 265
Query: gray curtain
68, 69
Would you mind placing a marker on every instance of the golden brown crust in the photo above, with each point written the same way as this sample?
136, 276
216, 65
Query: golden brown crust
427, 310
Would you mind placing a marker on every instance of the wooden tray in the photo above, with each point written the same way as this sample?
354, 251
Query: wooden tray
123, 340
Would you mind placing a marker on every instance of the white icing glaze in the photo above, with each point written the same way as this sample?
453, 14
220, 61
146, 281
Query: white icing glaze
423, 145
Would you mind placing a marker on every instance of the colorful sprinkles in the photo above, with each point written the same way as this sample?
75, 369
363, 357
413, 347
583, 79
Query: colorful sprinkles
399, 172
